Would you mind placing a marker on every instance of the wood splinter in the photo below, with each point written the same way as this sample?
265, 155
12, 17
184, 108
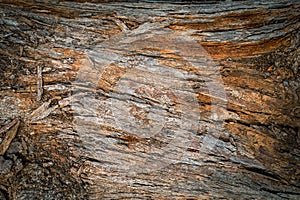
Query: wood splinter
11, 130
39, 83
121, 25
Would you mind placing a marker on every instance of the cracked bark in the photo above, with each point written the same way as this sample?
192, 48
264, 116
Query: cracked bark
150, 100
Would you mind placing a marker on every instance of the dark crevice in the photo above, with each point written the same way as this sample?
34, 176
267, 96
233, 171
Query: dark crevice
261, 171
4, 193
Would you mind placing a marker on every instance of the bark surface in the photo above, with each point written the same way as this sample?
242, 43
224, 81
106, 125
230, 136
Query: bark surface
149, 100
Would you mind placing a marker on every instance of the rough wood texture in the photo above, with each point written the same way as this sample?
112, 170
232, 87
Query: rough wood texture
150, 99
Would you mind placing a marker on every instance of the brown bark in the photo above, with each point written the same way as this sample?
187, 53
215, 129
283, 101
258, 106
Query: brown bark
149, 100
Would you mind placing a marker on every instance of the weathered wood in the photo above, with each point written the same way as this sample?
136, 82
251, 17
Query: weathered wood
150, 100
10, 134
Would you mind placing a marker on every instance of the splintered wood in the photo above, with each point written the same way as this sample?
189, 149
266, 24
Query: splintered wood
149, 99
10, 130
40, 89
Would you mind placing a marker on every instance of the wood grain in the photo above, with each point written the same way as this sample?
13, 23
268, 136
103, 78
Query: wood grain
150, 100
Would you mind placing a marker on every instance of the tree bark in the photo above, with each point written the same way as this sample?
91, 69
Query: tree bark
149, 100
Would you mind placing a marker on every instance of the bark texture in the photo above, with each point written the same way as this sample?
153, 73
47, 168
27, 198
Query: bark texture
149, 100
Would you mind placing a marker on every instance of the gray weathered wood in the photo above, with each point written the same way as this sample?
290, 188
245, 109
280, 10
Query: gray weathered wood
150, 100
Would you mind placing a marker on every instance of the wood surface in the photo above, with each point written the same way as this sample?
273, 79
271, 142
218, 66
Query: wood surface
149, 99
